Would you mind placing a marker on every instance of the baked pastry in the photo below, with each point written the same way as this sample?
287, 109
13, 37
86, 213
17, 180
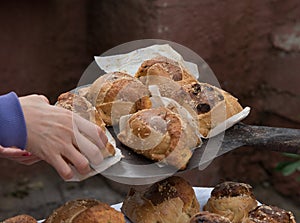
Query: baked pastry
85, 211
84, 108
207, 217
270, 214
171, 200
206, 103
161, 135
81, 106
117, 94
212, 105
232, 200
23, 218
164, 67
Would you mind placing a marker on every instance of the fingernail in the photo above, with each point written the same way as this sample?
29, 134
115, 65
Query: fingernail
27, 154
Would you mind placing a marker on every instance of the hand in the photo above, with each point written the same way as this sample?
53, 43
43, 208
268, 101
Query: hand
18, 155
61, 137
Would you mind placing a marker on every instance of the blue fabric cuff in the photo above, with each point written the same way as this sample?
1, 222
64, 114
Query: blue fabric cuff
12, 122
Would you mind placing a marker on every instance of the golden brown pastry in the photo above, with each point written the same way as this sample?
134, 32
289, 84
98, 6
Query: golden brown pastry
171, 200
270, 214
84, 108
232, 200
206, 103
85, 211
164, 67
81, 106
207, 217
117, 94
23, 218
161, 135
211, 104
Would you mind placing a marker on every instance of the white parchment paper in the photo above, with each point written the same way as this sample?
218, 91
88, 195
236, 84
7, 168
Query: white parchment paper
130, 62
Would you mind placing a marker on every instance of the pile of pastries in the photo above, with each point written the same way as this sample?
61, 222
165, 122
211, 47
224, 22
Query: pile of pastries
172, 200
160, 131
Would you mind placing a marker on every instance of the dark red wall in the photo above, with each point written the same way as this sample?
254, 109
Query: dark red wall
46, 46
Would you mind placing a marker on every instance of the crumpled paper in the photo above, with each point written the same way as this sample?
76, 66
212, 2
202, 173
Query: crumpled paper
130, 62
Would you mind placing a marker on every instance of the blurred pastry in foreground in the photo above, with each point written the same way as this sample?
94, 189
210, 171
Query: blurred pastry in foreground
85, 211
207, 217
171, 200
23, 218
84, 108
117, 94
232, 200
270, 214
160, 135
164, 67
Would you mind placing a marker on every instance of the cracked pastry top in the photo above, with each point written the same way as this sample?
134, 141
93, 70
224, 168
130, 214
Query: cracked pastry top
208, 104
160, 135
117, 94
171, 200
270, 214
232, 200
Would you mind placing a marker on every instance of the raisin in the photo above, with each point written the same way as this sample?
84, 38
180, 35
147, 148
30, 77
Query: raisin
203, 108
196, 88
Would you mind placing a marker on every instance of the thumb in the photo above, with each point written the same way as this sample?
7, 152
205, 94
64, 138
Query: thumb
44, 98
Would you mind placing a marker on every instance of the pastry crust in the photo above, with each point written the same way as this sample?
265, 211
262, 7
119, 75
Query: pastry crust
165, 67
207, 217
171, 200
80, 106
270, 214
117, 94
84, 108
23, 218
232, 200
85, 210
161, 135
208, 104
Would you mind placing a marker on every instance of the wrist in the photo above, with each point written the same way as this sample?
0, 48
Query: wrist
13, 131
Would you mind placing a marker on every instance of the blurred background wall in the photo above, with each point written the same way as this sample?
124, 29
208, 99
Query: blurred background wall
253, 46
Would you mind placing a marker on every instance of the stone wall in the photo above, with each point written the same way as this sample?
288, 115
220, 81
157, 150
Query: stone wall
252, 46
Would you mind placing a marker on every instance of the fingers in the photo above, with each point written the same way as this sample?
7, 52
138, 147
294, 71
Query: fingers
27, 160
61, 137
91, 131
44, 98
69, 156
18, 155
10, 153
103, 137
61, 166
89, 149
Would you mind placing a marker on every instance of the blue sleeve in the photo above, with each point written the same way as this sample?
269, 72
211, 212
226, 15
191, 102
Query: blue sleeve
12, 123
